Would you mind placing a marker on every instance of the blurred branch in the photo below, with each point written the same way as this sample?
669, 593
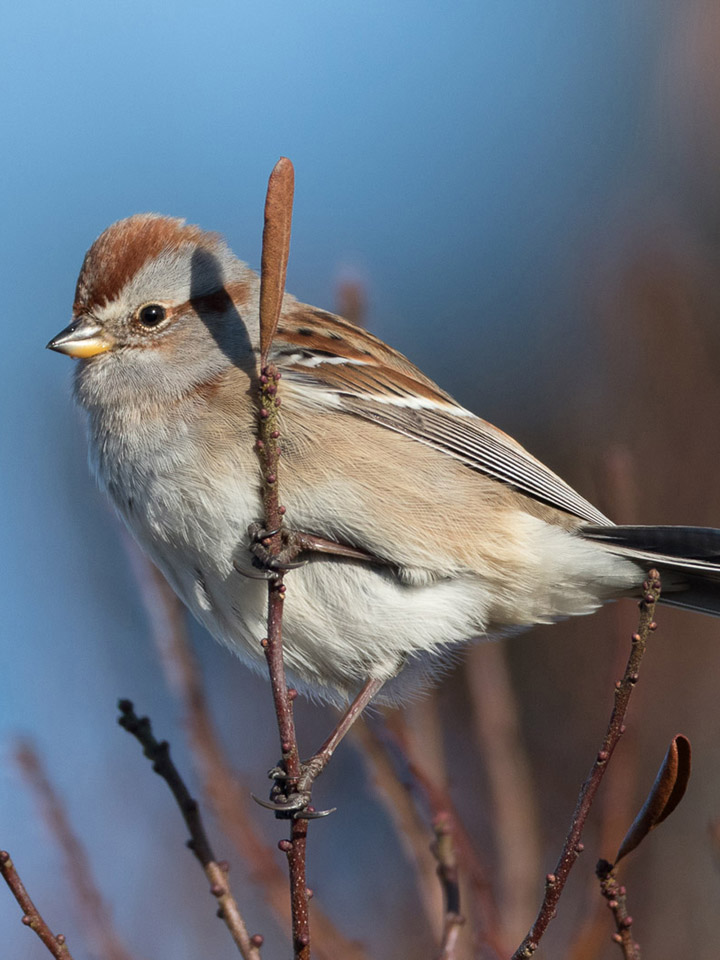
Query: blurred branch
31, 915
555, 882
484, 913
352, 301
409, 825
514, 812
714, 836
423, 734
94, 913
444, 850
228, 794
158, 752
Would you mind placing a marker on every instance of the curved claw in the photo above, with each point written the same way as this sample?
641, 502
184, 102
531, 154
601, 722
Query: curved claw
253, 576
273, 568
278, 563
258, 532
313, 814
268, 804
296, 802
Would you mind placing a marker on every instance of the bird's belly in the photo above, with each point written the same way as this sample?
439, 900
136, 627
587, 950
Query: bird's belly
347, 620
342, 621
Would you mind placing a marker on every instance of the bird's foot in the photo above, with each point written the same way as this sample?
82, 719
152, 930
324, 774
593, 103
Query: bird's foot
291, 799
292, 544
275, 562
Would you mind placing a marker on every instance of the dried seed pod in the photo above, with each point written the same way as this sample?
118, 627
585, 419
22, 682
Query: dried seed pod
665, 794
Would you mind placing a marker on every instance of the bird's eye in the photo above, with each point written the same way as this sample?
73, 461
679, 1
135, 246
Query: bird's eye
151, 315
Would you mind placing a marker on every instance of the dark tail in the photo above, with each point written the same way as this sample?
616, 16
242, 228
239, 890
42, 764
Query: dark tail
688, 559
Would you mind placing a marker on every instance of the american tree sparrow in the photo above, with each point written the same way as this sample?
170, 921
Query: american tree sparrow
472, 536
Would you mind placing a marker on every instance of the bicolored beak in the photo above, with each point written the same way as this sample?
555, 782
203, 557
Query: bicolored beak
83, 338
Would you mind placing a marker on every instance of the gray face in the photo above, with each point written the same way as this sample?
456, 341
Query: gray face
160, 308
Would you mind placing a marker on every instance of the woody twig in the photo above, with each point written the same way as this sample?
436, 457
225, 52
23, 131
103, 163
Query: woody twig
93, 911
31, 915
228, 793
158, 752
555, 882
275, 252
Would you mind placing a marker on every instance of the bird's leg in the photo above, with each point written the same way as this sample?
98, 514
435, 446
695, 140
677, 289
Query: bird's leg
293, 799
313, 767
293, 543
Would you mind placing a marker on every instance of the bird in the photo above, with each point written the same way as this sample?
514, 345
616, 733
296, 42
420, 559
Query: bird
446, 528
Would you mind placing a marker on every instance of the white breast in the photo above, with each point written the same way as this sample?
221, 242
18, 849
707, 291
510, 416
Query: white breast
190, 509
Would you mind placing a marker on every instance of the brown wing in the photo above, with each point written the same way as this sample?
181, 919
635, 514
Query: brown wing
326, 357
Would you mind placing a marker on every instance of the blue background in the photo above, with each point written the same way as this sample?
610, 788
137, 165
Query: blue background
476, 165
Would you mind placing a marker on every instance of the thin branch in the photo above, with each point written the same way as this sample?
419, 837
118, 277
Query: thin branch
514, 815
616, 897
31, 915
617, 494
158, 752
95, 915
227, 792
275, 253
444, 850
555, 882
410, 827
440, 803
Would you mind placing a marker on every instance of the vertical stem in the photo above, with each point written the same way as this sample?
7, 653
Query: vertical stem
269, 454
276, 246
298, 889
